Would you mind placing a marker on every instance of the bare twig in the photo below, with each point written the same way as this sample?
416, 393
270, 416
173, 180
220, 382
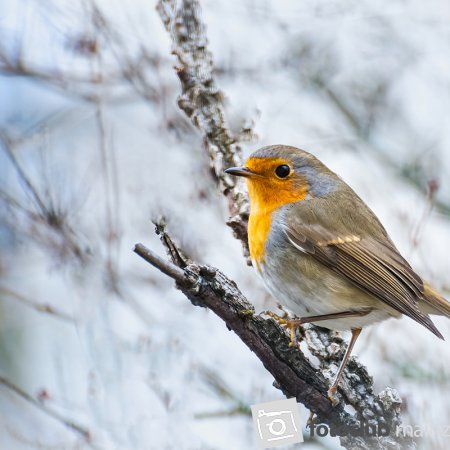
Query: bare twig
164, 266
81, 86
40, 307
46, 212
218, 385
413, 174
112, 210
78, 429
7, 144
433, 186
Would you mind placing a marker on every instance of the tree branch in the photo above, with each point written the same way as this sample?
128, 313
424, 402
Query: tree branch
294, 374
201, 101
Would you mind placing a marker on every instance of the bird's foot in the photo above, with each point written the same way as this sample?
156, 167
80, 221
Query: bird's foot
291, 324
281, 320
285, 313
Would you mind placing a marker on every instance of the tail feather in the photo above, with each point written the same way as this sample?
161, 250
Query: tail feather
434, 303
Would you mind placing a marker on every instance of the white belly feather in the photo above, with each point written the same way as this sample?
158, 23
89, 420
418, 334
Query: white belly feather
331, 294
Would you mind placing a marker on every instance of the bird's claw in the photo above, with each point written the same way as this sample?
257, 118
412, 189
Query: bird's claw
291, 324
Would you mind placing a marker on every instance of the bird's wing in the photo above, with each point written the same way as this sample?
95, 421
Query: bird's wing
374, 266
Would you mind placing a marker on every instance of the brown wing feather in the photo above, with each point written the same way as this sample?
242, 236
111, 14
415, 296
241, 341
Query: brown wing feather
375, 267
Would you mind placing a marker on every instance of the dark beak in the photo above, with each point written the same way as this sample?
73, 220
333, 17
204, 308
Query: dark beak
240, 171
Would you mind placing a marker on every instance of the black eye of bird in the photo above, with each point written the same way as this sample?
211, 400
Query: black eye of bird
282, 171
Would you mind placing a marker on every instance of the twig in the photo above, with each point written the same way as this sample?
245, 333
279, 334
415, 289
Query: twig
432, 189
415, 177
7, 143
110, 185
44, 308
46, 211
213, 380
83, 432
164, 266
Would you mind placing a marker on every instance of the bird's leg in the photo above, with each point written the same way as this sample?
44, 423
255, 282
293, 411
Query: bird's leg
332, 316
294, 324
332, 391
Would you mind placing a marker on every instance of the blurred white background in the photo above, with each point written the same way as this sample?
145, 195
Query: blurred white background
93, 146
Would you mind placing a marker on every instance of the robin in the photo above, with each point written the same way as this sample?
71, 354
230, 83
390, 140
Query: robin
323, 254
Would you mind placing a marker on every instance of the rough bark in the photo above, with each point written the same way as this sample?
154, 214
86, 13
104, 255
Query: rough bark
201, 101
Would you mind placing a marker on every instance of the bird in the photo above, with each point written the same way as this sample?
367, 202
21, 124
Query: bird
323, 254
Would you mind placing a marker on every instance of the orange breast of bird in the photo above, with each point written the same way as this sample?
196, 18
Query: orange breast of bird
267, 194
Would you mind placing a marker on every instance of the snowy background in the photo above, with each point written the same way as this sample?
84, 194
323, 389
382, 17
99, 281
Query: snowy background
93, 146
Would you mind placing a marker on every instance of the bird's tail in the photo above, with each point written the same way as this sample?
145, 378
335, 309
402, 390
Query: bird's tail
434, 303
